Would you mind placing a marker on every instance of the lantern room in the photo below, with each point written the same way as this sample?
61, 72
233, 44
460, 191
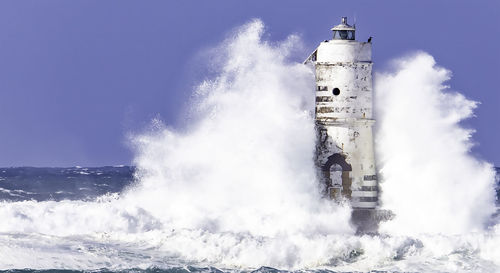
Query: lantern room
344, 31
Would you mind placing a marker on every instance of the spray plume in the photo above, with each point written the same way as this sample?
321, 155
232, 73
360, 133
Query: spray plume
246, 162
430, 180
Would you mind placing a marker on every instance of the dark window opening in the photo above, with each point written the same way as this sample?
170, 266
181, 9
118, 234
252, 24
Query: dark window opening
322, 88
343, 35
324, 99
314, 56
369, 188
370, 177
336, 91
368, 199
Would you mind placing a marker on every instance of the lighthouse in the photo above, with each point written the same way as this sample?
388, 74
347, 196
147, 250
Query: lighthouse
344, 118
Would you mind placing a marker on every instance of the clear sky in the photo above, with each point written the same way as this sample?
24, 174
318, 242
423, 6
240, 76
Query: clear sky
77, 76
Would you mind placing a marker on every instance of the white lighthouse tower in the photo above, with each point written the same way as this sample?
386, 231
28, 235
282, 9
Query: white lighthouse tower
344, 121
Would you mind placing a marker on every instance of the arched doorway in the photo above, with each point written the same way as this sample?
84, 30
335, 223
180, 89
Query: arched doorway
336, 171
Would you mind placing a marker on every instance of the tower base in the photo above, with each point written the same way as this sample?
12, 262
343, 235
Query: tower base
366, 221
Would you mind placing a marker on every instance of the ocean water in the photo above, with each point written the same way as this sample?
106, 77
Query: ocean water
56, 184
28, 184
19, 184
235, 188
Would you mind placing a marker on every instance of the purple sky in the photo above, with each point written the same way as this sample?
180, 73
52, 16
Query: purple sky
77, 76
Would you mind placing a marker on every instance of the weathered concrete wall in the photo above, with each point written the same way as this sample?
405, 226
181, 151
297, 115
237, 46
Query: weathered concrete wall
354, 96
344, 120
335, 51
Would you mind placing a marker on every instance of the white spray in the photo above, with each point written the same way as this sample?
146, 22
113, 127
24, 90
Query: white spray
245, 163
430, 180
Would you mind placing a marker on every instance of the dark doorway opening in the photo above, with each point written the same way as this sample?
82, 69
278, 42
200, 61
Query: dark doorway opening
331, 173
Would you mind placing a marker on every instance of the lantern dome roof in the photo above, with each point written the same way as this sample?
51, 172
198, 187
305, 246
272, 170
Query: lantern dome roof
343, 25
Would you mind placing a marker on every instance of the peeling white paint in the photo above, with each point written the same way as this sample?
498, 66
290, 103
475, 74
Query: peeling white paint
344, 116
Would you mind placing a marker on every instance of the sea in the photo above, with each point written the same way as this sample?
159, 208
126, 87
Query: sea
35, 185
